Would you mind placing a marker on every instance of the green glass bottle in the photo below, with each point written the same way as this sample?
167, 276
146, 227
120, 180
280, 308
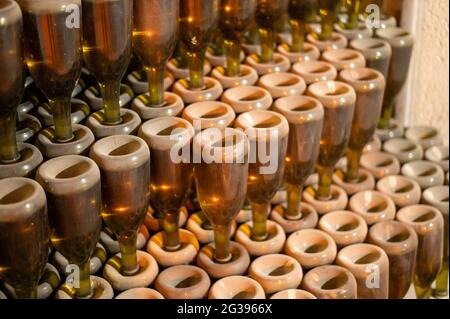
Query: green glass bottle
198, 20
53, 54
107, 48
352, 9
301, 12
154, 39
267, 14
235, 17
12, 78
328, 14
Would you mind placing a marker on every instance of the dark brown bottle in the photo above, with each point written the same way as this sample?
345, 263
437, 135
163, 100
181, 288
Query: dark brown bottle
198, 22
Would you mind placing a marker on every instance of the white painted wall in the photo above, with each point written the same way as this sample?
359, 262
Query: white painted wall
425, 99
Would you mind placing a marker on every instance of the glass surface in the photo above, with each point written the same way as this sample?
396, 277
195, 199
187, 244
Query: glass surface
328, 15
125, 178
268, 135
53, 54
155, 34
235, 18
352, 9
267, 14
12, 77
24, 236
222, 185
169, 181
369, 86
301, 13
198, 21
72, 185
397, 75
107, 30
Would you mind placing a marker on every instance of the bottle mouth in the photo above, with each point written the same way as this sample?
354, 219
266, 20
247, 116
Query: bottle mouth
422, 133
224, 145
259, 120
119, 145
167, 131
390, 232
225, 142
119, 152
263, 125
74, 170
236, 287
376, 207
281, 270
315, 67
367, 258
306, 106
331, 88
340, 222
398, 237
252, 96
300, 109
377, 45
280, 79
268, 123
405, 188
384, 163
316, 247
247, 293
125, 149
188, 282
163, 132
418, 214
10, 12
361, 255
343, 55
311, 242
209, 114
437, 194
182, 277
349, 226
215, 113
5, 5
368, 44
400, 145
19, 197
393, 33
371, 203
50, 6
274, 266
337, 281
348, 57
67, 168
395, 185
19, 191
361, 75
437, 153
246, 94
421, 169
337, 91
424, 217
333, 93
397, 37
